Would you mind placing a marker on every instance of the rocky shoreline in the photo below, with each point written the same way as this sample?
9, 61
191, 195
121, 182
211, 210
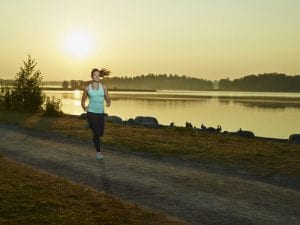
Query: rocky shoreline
152, 122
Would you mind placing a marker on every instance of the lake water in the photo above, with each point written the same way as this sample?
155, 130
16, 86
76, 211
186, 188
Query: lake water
266, 114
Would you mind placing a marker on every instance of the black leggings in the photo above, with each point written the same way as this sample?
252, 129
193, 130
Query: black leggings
96, 123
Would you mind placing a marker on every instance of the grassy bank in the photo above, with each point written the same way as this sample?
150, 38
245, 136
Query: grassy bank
260, 157
28, 196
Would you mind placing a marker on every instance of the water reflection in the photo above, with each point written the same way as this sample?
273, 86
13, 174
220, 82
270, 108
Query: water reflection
67, 95
272, 116
264, 104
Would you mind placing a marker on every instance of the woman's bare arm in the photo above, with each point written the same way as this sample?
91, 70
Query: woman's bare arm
83, 99
106, 96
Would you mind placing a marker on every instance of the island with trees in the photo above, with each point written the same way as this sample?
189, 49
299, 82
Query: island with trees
266, 82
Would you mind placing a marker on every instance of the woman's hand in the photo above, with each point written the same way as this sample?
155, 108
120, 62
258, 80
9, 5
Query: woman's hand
107, 104
84, 108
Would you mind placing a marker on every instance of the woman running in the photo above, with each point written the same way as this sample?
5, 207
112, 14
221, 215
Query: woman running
97, 93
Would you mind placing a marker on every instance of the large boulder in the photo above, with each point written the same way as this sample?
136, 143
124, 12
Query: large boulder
245, 133
212, 130
229, 133
114, 119
148, 121
294, 139
130, 121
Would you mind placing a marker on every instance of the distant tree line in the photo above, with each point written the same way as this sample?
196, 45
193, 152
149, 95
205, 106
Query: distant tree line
262, 82
73, 84
4, 82
158, 81
147, 82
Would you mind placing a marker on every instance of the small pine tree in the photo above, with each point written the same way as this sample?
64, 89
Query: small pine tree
27, 92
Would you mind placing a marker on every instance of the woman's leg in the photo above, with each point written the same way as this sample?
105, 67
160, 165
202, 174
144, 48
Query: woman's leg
94, 125
101, 124
99, 129
96, 142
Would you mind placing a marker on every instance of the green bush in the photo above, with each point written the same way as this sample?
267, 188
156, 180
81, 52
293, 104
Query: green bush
53, 106
5, 98
26, 93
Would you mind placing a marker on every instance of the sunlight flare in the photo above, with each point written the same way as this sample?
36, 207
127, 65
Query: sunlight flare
79, 43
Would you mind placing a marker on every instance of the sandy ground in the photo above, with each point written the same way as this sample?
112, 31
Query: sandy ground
187, 192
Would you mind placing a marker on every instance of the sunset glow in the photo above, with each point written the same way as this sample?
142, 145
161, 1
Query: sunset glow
205, 39
78, 43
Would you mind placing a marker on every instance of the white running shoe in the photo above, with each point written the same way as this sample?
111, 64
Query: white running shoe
99, 155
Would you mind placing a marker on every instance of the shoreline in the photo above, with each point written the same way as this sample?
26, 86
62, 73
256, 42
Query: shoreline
162, 126
256, 155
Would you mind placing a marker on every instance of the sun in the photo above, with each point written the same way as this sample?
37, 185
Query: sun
79, 43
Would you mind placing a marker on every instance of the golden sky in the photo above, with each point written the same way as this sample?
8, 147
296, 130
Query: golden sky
209, 39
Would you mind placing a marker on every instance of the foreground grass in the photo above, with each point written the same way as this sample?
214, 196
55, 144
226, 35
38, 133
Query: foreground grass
261, 157
28, 196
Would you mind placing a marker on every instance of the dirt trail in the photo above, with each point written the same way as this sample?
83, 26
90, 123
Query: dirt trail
195, 195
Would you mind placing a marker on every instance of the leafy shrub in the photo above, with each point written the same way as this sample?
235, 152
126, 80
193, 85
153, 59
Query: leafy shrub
53, 106
26, 93
5, 98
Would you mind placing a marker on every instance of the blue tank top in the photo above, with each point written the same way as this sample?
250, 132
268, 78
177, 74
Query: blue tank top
96, 99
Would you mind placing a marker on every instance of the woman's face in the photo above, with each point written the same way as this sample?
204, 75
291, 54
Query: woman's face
96, 76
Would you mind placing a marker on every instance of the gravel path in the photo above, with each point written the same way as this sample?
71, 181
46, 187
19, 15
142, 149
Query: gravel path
190, 193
